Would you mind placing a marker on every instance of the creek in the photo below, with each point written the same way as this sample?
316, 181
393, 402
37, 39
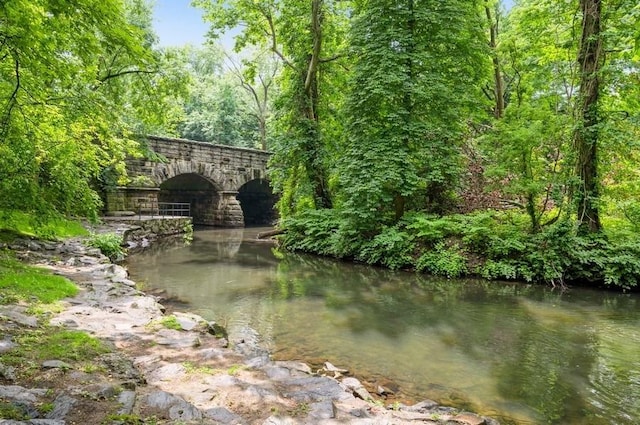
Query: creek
524, 354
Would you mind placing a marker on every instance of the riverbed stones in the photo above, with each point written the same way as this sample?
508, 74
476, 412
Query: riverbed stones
56, 364
18, 315
177, 407
6, 344
356, 387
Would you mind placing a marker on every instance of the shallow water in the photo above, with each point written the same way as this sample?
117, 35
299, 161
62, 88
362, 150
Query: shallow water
521, 353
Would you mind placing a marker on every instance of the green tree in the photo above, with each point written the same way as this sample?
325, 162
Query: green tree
307, 37
416, 77
75, 77
590, 61
215, 108
545, 150
257, 77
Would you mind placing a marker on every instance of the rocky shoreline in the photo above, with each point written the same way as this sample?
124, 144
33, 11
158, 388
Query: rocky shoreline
190, 372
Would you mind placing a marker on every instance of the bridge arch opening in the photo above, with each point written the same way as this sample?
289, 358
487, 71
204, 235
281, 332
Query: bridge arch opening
202, 195
257, 202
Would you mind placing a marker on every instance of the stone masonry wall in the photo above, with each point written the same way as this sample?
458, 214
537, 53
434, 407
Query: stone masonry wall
226, 168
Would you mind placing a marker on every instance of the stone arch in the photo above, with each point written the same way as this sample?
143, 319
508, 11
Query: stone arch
257, 202
163, 171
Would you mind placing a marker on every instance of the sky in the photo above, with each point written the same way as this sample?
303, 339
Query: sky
177, 23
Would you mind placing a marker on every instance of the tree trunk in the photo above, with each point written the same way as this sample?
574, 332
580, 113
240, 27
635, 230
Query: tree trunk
590, 61
315, 166
498, 85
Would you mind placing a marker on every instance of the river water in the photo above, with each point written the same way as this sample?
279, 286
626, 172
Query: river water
523, 354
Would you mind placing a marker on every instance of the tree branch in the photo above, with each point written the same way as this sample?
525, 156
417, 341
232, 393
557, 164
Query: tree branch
123, 73
274, 43
11, 103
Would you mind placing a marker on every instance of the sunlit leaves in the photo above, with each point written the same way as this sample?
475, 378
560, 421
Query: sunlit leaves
67, 97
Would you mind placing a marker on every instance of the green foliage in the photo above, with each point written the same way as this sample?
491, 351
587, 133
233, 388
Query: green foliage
215, 109
391, 248
416, 70
75, 79
443, 261
494, 245
187, 230
312, 231
110, 244
20, 282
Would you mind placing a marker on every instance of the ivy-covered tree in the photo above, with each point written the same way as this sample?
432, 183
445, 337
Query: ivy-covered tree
415, 79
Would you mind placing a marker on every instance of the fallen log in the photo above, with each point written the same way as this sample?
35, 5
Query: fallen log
270, 233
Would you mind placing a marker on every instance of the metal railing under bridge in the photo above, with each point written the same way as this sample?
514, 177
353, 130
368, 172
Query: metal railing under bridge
164, 209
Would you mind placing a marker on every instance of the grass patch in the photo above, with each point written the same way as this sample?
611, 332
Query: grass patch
169, 322
192, 368
235, 369
15, 224
127, 419
21, 282
50, 343
11, 411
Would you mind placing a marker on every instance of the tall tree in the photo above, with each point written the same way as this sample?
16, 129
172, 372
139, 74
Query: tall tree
590, 62
257, 78
492, 12
296, 31
417, 74
215, 108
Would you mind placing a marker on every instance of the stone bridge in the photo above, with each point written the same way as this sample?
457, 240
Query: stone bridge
223, 185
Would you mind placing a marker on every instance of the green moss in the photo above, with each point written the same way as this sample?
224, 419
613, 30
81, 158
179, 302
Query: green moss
169, 322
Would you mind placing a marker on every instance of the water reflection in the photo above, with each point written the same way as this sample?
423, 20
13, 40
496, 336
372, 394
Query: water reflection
525, 353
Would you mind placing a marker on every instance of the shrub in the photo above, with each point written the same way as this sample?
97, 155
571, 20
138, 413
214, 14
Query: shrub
312, 231
443, 261
110, 244
391, 248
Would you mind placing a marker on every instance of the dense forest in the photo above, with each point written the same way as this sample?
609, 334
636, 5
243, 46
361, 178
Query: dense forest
452, 137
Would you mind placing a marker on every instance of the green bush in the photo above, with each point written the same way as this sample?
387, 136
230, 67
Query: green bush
110, 244
443, 261
495, 245
392, 248
312, 231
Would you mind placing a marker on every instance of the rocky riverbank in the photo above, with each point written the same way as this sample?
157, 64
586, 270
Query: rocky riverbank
174, 369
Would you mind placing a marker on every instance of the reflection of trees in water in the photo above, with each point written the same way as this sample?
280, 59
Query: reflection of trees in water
544, 362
